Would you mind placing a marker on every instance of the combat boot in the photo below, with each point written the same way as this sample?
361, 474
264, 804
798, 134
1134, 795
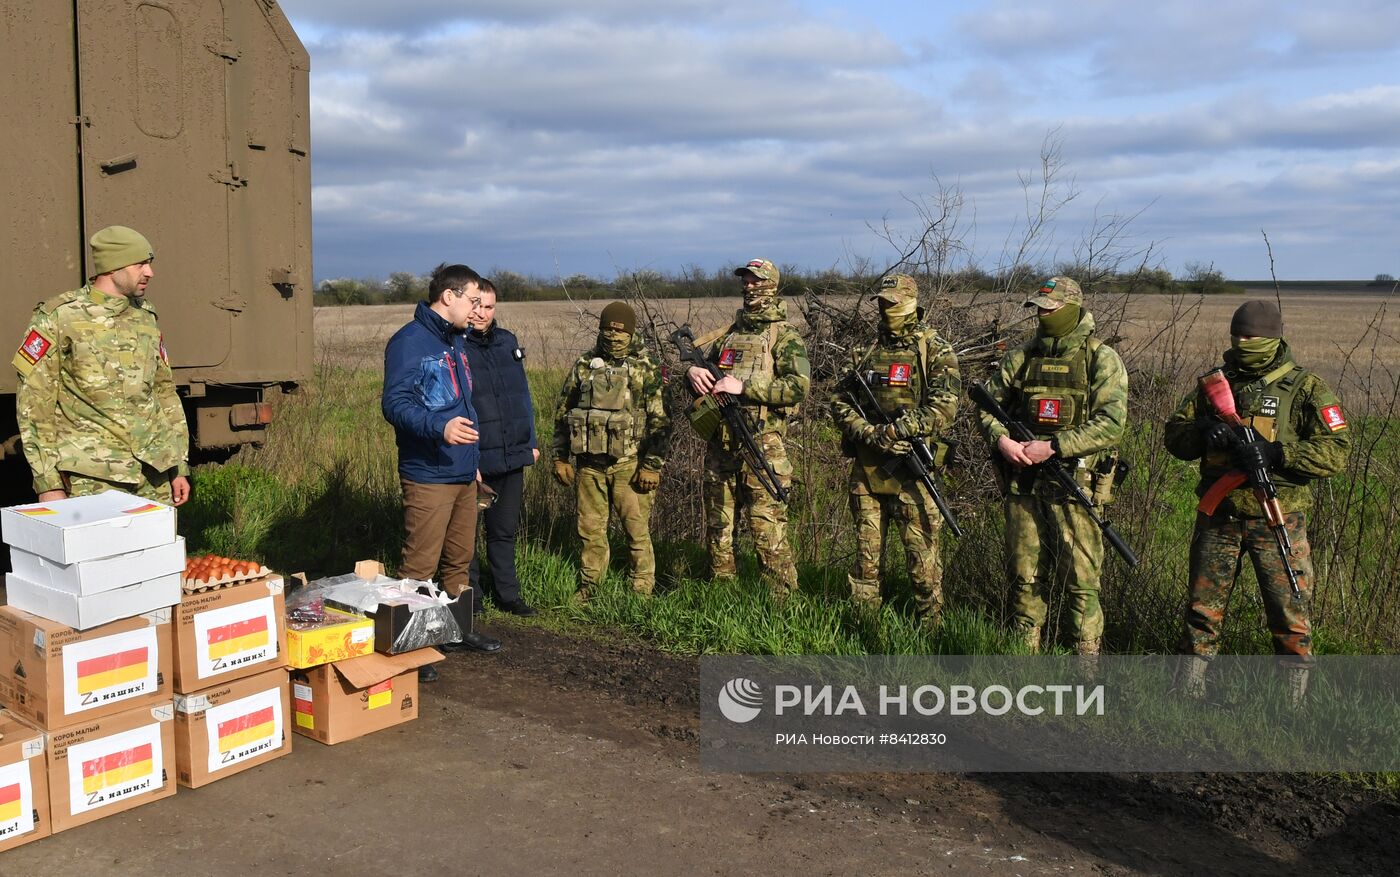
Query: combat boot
643, 589
723, 568
1191, 677
1297, 686
1031, 637
1087, 651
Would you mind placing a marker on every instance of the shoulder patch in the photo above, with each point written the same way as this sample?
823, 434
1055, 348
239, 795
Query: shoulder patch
35, 346
1333, 419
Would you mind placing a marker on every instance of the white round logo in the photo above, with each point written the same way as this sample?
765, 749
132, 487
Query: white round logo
740, 700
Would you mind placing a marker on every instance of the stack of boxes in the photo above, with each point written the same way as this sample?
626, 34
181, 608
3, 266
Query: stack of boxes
232, 701
85, 654
121, 702
346, 682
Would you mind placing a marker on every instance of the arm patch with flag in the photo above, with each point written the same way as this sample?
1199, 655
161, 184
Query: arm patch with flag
1333, 418
34, 347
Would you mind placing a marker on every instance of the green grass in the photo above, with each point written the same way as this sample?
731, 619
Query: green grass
323, 493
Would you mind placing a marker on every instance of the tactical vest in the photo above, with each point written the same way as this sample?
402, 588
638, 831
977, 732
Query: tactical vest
1265, 403
899, 373
1054, 390
604, 422
745, 355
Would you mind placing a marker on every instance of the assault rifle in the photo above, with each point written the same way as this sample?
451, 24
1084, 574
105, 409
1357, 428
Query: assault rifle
1055, 467
1216, 388
746, 446
919, 461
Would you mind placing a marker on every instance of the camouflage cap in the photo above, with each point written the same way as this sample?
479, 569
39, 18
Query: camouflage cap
1055, 292
896, 288
760, 268
117, 246
619, 316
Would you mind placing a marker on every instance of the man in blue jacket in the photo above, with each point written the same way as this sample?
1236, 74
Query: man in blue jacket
428, 400
506, 421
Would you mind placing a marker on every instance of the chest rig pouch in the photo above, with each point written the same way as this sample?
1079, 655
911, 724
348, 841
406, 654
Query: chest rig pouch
603, 423
1054, 390
1267, 405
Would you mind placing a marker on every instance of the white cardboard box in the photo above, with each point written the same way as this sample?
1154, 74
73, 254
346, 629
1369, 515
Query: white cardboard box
88, 577
82, 613
88, 527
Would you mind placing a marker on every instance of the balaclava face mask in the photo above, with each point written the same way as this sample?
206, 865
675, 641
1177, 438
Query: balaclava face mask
899, 318
1254, 354
614, 343
1061, 321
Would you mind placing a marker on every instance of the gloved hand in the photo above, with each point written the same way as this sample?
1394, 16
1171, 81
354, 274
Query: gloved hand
864, 432
888, 444
903, 427
646, 480
1259, 455
1216, 434
564, 472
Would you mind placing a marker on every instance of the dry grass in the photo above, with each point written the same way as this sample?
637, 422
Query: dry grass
1328, 331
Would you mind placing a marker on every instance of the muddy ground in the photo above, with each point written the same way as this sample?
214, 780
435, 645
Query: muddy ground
561, 754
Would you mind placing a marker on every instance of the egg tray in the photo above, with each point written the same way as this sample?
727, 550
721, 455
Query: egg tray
194, 586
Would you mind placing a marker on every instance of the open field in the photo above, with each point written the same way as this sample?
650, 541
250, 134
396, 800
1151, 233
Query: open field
1330, 332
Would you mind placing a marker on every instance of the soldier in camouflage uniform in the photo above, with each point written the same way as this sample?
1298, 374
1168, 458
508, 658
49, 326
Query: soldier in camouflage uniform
1303, 436
766, 369
612, 424
916, 375
96, 405
1071, 391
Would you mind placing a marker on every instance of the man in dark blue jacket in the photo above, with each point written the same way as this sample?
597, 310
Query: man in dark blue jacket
428, 399
506, 420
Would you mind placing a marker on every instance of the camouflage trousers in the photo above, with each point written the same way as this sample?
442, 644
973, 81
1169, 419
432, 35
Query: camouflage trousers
729, 486
1048, 541
1217, 548
153, 485
601, 489
917, 518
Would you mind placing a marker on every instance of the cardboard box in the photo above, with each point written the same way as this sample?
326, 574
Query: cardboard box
88, 527
83, 613
231, 727
229, 633
24, 782
104, 766
88, 577
55, 675
343, 636
336, 702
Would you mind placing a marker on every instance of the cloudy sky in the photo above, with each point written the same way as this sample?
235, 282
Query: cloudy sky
562, 137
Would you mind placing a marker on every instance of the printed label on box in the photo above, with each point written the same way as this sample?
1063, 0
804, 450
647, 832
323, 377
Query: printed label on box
110, 669
380, 695
361, 635
244, 728
16, 800
235, 636
114, 768
301, 701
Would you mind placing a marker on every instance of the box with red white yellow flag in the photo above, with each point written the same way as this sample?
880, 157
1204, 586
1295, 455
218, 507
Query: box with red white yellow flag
24, 782
229, 728
55, 675
103, 766
228, 633
336, 702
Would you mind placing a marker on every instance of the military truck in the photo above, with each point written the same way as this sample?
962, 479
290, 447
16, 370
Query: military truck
188, 121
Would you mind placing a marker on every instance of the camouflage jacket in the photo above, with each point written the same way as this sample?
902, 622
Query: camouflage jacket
1106, 406
644, 377
1319, 444
96, 394
939, 388
770, 395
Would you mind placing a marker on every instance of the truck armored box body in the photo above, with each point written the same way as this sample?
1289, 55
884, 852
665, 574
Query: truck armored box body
188, 121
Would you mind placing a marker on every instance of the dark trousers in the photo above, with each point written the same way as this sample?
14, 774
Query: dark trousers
501, 522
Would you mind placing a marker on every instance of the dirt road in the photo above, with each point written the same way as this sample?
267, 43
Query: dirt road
560, 755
